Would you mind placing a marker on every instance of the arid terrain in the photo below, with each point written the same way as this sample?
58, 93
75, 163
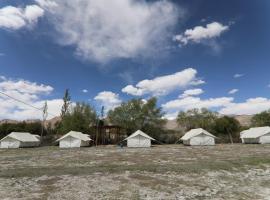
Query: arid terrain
162, 172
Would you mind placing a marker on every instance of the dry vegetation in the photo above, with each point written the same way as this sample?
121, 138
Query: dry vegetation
162, 172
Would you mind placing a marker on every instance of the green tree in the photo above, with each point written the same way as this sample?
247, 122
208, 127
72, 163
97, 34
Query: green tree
137, 114
80, 118
228, 126
261, 119
33, 127
66, 104
197, 118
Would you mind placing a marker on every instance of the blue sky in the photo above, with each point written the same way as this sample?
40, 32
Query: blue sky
158, 48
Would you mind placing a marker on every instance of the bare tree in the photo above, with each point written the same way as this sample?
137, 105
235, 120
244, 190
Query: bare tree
44, 117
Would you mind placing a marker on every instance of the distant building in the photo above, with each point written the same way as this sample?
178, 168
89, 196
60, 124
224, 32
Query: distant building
199, 137
19, 140
74, 139
258, 135
139, 139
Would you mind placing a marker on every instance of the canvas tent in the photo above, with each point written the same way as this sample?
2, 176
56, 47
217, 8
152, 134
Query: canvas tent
198, 137
139, 139
17, 140
258, 135
74, 139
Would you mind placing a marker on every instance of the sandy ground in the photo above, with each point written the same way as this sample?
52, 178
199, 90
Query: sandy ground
162, 172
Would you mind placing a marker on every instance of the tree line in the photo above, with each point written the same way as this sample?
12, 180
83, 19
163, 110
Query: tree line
133, 115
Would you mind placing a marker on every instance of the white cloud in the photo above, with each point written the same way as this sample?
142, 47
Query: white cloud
238, 75
199, 33
47, 4
183, 104
191, 92
196, 102
84, 90
233, 91
164, 84
104, 30
29, 92
108, 99
249, 107
15, 18
223, 105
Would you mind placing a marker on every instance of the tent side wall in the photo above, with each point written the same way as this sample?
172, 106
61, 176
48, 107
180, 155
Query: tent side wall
69, 142
29, 144
202, 140
9, 143
250, 140
186, 142
85, 143
265, 139
139, 141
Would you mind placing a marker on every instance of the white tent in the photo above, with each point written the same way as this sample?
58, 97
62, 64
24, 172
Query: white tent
74, 139
199, 137
139, 139
17, 140
258, 135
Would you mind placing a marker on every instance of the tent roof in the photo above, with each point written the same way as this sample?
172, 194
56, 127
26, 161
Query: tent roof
255, 132
23, 137
195, 132
139, 132
78, 135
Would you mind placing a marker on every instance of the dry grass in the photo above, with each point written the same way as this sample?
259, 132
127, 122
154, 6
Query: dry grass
162, 172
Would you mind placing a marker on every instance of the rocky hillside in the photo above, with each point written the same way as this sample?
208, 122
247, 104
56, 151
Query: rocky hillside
244, 120
52, 121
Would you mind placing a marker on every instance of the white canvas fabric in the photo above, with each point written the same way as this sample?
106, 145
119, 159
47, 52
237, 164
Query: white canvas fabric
198, 137
195, 132
23, 137
257, 135
77, 135
139, 132
17, 140
255, 132
74, 139
139, 139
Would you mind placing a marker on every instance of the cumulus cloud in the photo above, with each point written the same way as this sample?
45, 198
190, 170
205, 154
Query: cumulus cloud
104, 30
249, 107
84, 90
15, 18
223, 105
30, 92
199, 33
196, 102
191, 92
183, 104
108, 99
162, 85
47, 4
233, 91
238, 75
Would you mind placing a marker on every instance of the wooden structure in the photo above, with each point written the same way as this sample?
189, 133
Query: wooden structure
108, 134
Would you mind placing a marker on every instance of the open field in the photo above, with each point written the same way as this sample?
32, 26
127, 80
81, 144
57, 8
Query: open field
162, 172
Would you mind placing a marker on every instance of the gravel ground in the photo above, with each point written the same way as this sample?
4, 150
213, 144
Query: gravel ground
162, 172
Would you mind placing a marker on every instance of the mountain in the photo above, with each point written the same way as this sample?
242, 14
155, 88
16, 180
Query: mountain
244, 120
52, 121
